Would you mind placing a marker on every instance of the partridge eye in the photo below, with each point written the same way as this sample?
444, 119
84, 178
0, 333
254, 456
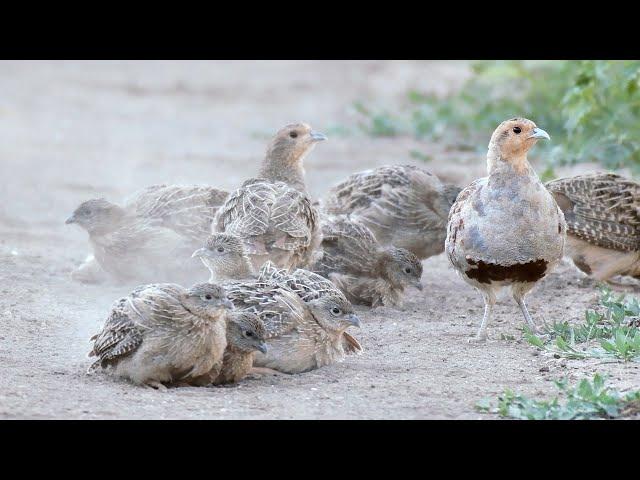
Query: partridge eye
249, 334
220, 249
208, 297
335, 311
407, 270
517, 130
293, 134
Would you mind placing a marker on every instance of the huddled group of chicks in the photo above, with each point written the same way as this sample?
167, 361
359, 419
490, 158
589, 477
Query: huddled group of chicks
285, 271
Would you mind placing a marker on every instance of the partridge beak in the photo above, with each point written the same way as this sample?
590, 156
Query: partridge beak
317, 136
418, 285
538, 133
69, 220
354, 320
201, 252
262, 347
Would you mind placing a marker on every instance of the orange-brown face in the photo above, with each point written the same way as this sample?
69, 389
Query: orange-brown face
294, 141
515, 137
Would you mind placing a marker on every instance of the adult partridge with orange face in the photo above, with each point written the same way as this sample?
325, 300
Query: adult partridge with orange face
506, 230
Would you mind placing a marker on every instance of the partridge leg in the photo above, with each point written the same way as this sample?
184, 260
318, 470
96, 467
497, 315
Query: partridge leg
519, 291
527, 316
489, 302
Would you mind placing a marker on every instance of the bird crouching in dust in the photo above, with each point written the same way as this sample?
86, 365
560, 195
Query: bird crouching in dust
164, 334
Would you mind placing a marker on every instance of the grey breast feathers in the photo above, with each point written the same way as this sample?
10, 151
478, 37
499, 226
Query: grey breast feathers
602, 209
455, 220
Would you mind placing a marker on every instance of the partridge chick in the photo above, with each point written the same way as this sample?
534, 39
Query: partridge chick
357, 264
506, 230
272, 214
188, 210
403, 205
151, 237
310, 286
602, 211
226, 258
301, 336
162, 334
246, 335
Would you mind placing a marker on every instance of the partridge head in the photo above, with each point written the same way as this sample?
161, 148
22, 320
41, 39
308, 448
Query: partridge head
246, 332
96, 216
225, 257
511, 141
334, 313
206, 300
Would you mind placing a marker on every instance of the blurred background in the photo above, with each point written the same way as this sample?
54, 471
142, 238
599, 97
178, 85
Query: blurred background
592, 107
70, 131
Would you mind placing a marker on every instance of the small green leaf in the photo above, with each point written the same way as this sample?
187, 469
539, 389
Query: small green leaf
484, 405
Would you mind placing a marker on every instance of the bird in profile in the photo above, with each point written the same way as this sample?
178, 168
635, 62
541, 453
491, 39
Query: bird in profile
301, 336
246, 335
366, 272
403, 205
506, 230
310, 286
273, 214
602, 211
162, 334
150, 238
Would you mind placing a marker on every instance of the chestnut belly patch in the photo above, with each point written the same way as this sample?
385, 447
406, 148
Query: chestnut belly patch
519, 272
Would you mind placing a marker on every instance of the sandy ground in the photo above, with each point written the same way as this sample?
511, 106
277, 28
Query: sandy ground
70, 131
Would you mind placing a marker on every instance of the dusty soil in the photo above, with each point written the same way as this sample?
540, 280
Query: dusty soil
70, 131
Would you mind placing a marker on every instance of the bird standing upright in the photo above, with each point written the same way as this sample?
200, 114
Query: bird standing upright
272, 214
506, 230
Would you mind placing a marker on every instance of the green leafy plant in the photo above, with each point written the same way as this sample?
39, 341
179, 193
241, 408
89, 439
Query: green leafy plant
588, 400
591, 109
614, 331
378, 124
